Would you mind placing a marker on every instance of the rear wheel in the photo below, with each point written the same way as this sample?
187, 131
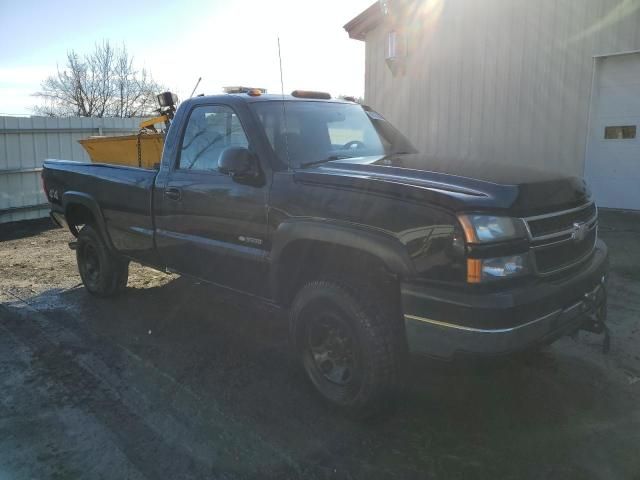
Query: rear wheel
103, 274
347, 342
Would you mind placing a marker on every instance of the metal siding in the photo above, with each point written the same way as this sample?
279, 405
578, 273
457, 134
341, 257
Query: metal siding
501, 80
23, 149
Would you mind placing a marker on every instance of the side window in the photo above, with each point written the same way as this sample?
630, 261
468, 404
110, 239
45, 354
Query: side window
623, 132
210, 130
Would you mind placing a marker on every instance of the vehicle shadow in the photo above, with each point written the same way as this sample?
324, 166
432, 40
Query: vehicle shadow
208, 360
25, 228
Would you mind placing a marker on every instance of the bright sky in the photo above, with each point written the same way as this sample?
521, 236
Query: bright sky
223, 41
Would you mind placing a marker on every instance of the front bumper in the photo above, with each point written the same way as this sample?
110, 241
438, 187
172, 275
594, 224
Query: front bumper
447, 324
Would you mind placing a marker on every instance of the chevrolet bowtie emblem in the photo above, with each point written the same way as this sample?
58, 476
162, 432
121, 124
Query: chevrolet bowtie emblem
579, 231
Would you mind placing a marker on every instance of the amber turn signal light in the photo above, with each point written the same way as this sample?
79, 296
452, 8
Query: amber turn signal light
474, 270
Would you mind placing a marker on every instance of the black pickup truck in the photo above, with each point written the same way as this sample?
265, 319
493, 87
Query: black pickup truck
322, 209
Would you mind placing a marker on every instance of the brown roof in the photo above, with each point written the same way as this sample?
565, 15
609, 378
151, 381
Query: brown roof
360, 25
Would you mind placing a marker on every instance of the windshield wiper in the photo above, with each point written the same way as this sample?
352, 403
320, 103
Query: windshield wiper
330, 158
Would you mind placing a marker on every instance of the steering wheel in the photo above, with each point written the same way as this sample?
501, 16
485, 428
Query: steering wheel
353, 144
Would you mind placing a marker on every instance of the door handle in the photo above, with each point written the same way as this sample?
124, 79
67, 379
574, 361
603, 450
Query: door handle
173, 193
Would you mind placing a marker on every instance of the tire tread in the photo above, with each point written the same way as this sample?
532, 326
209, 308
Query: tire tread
376, 317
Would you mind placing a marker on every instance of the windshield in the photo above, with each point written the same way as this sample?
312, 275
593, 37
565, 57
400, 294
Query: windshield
306, 133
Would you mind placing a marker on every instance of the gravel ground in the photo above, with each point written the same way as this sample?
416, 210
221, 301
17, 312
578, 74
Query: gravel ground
177, 380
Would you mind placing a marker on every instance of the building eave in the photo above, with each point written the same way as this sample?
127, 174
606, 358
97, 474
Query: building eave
358, 27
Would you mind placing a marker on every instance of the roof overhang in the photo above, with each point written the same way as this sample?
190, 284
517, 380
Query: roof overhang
358, 27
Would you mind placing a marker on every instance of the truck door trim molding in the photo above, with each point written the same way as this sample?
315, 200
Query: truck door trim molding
218, 246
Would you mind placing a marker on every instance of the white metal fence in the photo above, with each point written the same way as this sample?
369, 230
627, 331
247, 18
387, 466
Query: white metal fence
26, 142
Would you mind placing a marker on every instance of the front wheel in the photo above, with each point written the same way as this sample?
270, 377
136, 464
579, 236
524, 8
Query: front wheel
103, 274
348, 344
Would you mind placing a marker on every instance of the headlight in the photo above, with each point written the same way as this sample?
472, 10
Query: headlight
487, 228
487, 269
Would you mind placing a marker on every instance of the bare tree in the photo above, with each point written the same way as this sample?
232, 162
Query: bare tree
104, 83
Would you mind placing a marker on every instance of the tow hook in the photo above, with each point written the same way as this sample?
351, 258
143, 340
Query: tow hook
595, 324
594, 304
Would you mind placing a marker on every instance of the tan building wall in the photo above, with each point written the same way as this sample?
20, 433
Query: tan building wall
501, 80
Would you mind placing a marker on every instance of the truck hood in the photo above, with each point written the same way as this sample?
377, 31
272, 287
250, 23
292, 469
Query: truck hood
454, 185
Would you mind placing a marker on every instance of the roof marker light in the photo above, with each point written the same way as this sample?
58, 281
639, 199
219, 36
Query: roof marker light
310, 94
247, 90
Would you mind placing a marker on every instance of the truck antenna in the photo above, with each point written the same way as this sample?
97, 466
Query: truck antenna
194, 88
284, 110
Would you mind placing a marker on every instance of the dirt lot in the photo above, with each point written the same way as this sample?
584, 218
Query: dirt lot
176, 380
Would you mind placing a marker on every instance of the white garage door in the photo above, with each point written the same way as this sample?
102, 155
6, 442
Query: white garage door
612, 165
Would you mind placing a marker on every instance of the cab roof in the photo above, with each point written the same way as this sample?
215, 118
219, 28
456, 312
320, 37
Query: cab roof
267, 97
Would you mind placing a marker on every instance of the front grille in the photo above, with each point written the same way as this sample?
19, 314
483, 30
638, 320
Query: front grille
557, 242
564, 254
539, 226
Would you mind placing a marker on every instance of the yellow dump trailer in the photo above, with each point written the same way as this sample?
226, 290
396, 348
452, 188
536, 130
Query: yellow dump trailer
143, 150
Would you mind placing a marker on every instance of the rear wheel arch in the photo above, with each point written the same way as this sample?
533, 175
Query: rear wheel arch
82, 209
77, 214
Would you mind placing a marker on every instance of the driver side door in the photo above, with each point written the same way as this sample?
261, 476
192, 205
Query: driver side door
204, 217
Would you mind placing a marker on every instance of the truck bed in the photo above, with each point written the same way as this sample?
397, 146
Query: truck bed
123, 194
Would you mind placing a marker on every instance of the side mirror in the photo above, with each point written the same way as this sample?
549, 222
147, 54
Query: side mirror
237, 162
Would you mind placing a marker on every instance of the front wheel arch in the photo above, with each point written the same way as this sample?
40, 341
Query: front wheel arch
298, 244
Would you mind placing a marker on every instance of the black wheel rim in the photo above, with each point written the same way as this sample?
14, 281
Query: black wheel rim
90, 264
332, 348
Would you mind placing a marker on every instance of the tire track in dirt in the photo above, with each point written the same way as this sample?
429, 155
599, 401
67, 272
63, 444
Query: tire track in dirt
215, 449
